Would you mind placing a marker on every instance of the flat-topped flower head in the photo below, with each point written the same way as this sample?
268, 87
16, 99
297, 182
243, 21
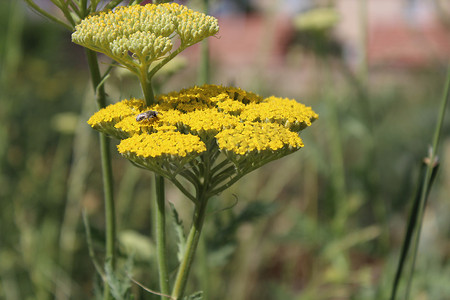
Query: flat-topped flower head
136, 35
201, 123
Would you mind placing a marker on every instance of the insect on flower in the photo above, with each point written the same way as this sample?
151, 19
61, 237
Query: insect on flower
148, 115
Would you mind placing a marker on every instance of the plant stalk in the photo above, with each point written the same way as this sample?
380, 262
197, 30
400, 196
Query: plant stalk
160, 227
426, 183
191, 246
159, 209
203, 270
100, 94
204, 67
205, 71
204, 78
147, 90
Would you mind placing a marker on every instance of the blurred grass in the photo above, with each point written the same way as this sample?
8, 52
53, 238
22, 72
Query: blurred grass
324, 223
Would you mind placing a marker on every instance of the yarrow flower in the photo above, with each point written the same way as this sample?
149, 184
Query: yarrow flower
206, 137
230, 130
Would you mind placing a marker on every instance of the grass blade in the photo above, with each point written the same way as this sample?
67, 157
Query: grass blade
428, 175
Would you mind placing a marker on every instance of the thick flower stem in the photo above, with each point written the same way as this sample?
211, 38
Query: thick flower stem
96, 78
197, 224
160, 225
191, 246
109, 200
106, 168
160, 214
147, 89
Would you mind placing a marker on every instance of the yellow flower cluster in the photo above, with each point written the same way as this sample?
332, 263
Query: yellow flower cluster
209, 121
105, 119
286, 112
136, 35
166, 143
239, 122
252, 136
185, 132
209, 96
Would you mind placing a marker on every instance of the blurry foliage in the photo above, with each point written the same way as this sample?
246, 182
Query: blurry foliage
35, 158
314, 31
325, 224
318, 19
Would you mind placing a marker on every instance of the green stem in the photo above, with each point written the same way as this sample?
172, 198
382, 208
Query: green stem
191, 246
412, 224
203, 274
96, 78
112, 4
47, 15
183, 189
363, 63
109, 200
166, 60
63, 6
204, 64
160, 225
204, 74
147, 89
160, 217
226, 185
106, 168
426, 183
84, 10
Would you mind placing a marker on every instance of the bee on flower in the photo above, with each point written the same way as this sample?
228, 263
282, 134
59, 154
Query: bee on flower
148, 115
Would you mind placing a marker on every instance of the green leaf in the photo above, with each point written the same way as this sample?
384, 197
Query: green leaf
118, 280
179, 229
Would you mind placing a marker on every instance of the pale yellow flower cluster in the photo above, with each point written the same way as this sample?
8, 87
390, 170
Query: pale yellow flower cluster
136, 36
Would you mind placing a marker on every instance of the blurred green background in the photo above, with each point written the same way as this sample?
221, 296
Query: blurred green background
324, 223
